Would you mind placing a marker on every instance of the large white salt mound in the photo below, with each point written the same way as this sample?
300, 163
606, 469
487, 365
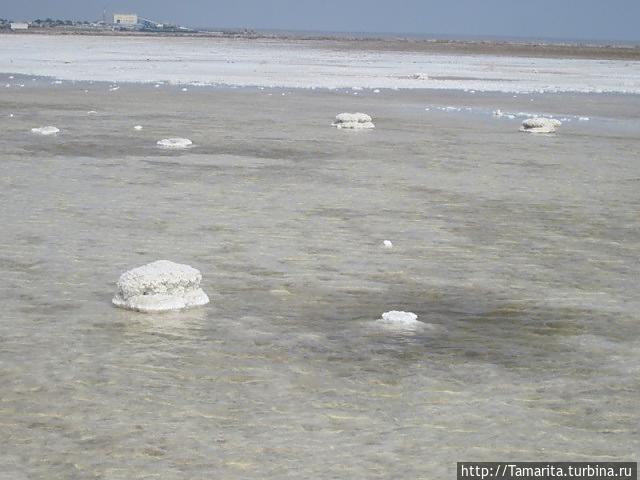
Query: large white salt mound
160, 286
175, 143
399, 317
353, 121
48, 130
540, 125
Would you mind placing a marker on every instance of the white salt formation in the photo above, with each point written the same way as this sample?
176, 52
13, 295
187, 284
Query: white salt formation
160, 286
175, 143
138, 127
353, 121
400, 318
387, 244
540, 125
48, 130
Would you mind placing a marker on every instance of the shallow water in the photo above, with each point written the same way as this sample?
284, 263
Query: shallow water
519, 252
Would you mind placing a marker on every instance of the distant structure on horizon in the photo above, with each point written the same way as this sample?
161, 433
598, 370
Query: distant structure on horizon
125, 19
19, 25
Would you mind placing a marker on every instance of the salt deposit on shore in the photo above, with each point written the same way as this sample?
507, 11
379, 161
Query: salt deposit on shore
160, 286
540, 125
48, 130
387, 244
176, 143
137, 127
354, 121
91, 58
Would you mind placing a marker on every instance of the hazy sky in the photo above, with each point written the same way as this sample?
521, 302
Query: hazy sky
571, 19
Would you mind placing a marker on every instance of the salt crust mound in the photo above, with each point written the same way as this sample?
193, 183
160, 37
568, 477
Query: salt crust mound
175, 143
160, 286
353, 121
400, 318
48, 130
387, 244
540, 125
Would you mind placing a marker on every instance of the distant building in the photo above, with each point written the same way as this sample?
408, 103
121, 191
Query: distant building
19, 26
125, 19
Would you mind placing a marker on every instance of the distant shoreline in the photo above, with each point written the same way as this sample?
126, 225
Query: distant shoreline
407, 44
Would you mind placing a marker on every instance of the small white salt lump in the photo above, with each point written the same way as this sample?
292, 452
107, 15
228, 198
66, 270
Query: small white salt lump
185, 89
376, 91
353, 121
160, 286
387, 244
48, 130
137, 127
400, 317
583, 119
540, 125
174, 143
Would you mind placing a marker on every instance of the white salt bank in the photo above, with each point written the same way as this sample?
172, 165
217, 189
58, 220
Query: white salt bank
137, 127
400, 318
540, 125
387, 244
353, 121
176, 143
48, 130
160, 286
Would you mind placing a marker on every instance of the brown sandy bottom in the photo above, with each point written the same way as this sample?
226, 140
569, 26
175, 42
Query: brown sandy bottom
518, 252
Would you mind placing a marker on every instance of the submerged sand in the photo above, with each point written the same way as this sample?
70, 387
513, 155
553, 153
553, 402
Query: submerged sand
519, 252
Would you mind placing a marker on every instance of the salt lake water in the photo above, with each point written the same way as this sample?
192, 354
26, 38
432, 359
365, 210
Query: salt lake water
518, 252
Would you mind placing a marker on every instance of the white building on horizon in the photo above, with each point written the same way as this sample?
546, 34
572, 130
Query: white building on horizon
125, 19
19, 26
